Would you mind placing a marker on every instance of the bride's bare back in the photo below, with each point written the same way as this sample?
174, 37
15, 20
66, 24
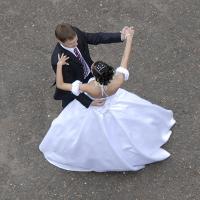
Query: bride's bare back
95, 90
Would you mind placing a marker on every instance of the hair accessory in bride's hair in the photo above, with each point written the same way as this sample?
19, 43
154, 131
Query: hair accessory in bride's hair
100, 67
102, 72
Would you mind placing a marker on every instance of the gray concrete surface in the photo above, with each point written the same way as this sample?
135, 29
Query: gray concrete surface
165, 69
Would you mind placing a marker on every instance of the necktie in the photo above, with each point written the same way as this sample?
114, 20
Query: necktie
81, 59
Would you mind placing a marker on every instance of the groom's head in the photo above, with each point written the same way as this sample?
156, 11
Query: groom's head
66, 35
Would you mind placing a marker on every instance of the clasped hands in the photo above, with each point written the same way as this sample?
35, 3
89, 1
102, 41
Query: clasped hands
127, 32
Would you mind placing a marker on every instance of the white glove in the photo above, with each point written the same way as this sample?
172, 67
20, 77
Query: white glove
124, 71
75, 87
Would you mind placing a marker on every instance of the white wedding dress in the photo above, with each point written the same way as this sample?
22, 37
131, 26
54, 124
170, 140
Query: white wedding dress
123, 135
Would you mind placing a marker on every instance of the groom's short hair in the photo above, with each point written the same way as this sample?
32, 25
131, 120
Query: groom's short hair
64, 32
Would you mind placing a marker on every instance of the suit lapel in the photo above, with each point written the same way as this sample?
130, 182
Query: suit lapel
70, 54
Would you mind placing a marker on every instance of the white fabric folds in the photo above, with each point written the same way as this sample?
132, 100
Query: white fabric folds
123, 135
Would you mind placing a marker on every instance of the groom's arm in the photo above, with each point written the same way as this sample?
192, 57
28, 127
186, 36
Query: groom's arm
84, 100
101, 38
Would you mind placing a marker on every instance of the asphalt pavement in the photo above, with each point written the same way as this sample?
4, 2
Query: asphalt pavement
164, 69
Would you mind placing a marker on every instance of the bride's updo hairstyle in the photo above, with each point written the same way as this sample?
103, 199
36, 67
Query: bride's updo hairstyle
102, 72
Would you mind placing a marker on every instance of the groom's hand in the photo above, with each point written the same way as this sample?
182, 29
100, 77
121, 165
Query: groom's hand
123, 33
98, 102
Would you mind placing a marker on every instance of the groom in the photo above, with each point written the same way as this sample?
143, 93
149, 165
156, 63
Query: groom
74, 43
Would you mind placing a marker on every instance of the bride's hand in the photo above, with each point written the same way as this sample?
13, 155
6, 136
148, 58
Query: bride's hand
129, 32
62, 60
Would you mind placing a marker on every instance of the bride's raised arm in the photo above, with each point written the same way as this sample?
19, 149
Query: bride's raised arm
122, 73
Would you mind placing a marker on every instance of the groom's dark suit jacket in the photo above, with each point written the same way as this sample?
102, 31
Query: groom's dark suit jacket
74, 71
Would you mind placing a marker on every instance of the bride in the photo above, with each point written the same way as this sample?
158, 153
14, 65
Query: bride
125, 134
